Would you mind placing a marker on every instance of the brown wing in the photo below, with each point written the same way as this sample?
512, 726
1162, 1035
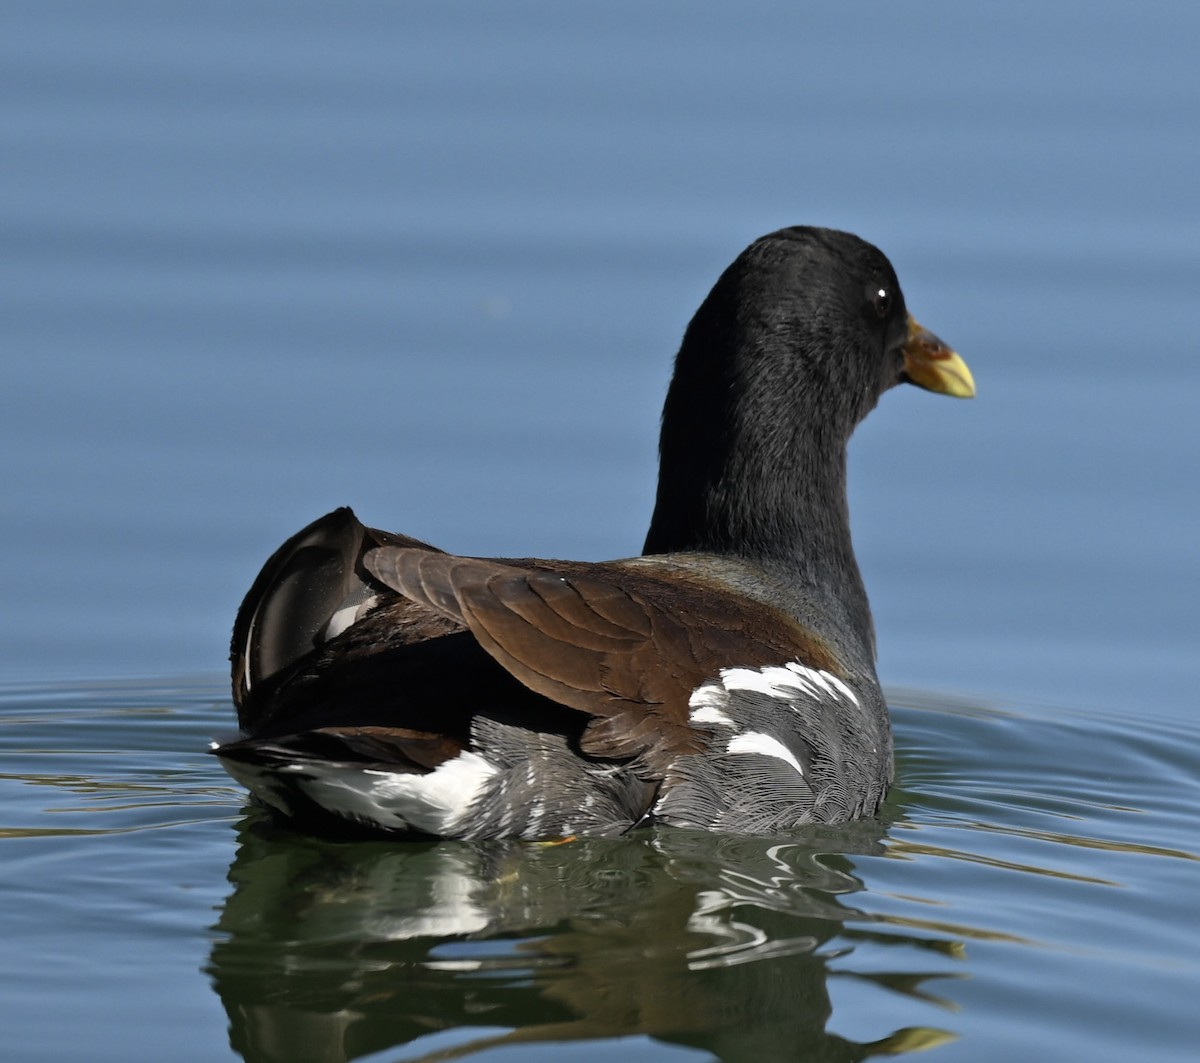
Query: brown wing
621, 644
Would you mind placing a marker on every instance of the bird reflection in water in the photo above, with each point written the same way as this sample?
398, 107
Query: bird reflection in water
332, 951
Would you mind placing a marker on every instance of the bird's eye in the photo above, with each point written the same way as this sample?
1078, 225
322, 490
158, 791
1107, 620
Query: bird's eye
879, 298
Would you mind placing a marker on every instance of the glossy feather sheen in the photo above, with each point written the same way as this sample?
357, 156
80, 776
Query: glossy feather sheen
724, 680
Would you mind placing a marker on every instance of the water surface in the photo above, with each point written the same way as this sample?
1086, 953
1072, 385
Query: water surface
1028, 890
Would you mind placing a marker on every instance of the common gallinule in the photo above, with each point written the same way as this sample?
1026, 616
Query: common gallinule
725, 679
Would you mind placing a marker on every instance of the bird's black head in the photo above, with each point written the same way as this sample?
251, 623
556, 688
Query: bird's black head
806, 324
790, 350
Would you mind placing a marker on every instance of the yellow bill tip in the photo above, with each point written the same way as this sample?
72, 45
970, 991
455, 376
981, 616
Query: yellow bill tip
934, 365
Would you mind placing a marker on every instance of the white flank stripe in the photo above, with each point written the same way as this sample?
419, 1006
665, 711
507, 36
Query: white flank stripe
846, 691
764, 745
762, 680
805, 685
781, 681
811, 675
706, 704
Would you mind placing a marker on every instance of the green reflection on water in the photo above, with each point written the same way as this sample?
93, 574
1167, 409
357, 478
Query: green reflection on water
336, 950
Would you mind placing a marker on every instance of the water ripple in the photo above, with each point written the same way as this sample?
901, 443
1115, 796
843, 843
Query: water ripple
1014, 832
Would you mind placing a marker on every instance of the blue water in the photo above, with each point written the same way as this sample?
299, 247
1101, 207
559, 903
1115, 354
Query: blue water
433, 260
1029, 891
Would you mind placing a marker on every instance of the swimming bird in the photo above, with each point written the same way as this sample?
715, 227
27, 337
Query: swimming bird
724, 679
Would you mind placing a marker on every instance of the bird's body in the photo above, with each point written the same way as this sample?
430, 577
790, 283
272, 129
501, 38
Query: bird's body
723, 680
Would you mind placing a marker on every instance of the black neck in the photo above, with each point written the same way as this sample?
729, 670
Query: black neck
745, 472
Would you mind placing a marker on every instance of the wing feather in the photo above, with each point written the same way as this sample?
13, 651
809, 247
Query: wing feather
627, 650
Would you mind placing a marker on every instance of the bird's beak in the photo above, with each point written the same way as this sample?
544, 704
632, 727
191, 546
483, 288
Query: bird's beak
931, 365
